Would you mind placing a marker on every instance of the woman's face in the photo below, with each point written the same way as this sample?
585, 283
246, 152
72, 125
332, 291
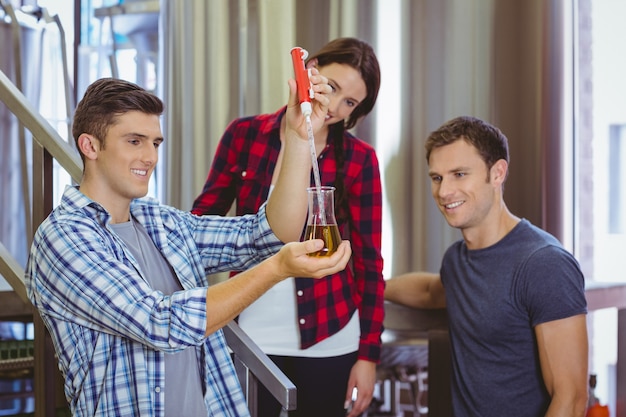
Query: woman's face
349, 91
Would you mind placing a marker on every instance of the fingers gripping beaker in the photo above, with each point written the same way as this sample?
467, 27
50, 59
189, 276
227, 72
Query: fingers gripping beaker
321, 223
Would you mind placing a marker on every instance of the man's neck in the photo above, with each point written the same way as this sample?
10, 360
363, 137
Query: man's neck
491, 231
118, 208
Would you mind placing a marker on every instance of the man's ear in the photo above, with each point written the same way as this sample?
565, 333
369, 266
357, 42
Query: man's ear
499, 171
88, 145
312, 63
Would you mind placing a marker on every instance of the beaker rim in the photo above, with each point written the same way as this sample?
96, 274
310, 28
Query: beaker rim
322, 188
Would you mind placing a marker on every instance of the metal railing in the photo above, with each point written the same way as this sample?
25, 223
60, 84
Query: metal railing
252, 365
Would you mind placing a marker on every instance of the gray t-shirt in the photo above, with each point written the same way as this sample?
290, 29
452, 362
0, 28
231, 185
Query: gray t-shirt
183, 382
495, 297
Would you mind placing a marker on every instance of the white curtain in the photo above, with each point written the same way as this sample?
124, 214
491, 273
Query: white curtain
224, 59
499, 60
20, 60
446, 72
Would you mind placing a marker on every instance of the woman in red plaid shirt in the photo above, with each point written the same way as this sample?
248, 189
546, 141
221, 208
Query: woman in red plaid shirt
323, 334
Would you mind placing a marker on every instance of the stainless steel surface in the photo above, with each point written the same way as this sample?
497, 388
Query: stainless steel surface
129, 8
20, 59
24, 32
405, 325
42, 132
407, 360
256, 363
67, 82
13, 273
139, 22
405, 338
132, 16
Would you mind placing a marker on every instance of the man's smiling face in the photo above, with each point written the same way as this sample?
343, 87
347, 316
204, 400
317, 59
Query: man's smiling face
461, 184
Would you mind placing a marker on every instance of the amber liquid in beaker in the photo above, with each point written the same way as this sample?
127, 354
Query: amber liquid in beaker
328, 233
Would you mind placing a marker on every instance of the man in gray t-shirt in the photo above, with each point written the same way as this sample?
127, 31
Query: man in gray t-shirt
515, 298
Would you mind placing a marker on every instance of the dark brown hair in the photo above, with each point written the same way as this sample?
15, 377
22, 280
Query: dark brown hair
491, 144
360, 56
105, 100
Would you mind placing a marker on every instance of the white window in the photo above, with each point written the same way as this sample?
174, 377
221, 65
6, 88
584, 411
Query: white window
601, 176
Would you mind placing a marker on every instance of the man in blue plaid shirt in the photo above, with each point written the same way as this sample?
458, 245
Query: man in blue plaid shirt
121, 280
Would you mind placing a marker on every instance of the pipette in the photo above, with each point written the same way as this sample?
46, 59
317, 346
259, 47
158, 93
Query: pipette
305, 95
305, 89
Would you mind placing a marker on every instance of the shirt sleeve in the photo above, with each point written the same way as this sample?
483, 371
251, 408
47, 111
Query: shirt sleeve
554, 285
77, 274
233, 243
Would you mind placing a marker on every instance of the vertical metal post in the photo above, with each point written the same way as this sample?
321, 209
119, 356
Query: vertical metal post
46, 370
620, 400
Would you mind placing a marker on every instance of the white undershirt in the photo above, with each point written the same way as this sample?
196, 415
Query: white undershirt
272, 323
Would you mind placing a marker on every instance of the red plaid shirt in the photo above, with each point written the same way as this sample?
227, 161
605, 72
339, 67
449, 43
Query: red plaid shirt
242, 170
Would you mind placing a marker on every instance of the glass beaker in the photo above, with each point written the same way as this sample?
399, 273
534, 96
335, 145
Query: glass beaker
321, 223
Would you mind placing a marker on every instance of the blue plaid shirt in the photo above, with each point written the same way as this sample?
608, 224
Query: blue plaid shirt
110, 328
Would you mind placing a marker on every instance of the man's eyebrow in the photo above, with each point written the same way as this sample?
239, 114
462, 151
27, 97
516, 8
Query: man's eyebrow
452, 170
134, 135
142, 136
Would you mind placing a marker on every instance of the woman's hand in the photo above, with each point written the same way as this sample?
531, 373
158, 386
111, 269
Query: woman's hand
296, 122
